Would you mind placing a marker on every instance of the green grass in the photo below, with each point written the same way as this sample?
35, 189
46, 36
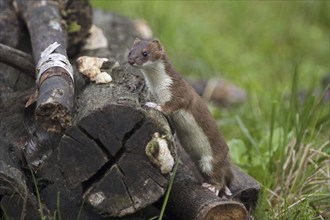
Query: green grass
41, 209
274, 50
168, 191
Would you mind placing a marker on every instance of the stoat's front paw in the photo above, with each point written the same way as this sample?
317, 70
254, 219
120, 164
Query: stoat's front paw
154, 105
224, 193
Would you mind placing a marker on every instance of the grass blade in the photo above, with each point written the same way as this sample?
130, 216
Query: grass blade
162, 211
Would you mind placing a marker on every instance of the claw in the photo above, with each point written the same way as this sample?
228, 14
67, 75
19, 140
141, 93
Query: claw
225, 194
228, 193
154, 105
211, 188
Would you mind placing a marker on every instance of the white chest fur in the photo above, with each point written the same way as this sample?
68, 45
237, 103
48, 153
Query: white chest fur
158, 81
193, 139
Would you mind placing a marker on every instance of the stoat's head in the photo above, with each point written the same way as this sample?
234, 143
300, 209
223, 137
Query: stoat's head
145, 54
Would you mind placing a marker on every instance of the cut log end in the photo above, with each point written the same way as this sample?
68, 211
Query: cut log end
53, 117
54, 106
189, 200
224, 210
118, 179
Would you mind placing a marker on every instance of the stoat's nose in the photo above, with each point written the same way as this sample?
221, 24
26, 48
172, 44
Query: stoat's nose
131, 61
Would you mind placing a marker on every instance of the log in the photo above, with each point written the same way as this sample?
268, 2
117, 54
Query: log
111, 119
17, 199
9, 29
55, 82
245, 189
54, 95
187, 187
88, 160
189, 200
101, 158
17, 59
54, 72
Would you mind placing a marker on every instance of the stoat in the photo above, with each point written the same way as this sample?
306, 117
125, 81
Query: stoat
193, 122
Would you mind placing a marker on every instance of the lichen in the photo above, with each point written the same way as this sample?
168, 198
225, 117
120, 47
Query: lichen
73, 27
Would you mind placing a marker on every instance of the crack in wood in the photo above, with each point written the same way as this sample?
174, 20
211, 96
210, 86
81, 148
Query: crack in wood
97, 141
136, 127
99, 175
127, 136
126, 187
157, 183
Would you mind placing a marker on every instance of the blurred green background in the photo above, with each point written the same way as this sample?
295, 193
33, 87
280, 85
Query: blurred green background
278, 52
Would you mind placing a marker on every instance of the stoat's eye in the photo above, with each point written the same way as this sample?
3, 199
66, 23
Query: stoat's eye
144, 53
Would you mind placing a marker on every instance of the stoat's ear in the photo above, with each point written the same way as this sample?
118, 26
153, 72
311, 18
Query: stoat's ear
136, 40
158, 44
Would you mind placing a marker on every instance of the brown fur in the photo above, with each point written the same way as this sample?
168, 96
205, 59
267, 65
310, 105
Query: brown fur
185, 98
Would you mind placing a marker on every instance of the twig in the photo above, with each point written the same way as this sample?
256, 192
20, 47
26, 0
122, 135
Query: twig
17, 59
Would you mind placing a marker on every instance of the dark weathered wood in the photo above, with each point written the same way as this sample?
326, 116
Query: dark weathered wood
58, 196
9, 29
133, 182
75, 152
18, 206
189, 200
45, 25
111, 125
18, 59
78, 18
244, 188
55, 100
17, 199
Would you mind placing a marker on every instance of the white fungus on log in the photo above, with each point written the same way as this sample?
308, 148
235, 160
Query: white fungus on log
159, 154
91, 67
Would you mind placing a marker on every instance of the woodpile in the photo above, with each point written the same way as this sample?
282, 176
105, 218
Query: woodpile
75, 149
